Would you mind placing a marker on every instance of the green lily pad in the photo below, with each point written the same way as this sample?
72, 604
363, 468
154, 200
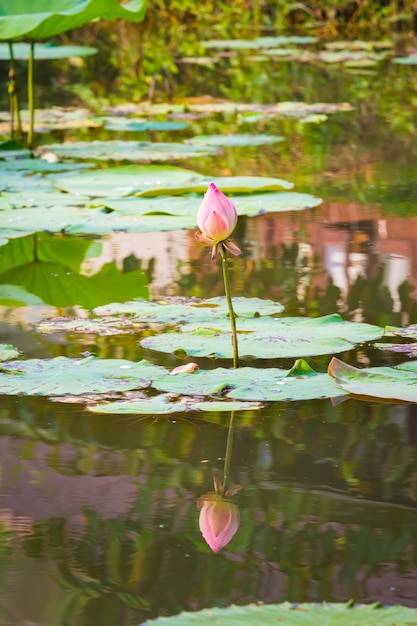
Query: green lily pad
406, 331
253, 204
52, 119
165, 403
410, 60
253, 384
157, 405
62, 375
233, 140
126, 180
41, 165
123, 125
266, 338
259, 42
388, 383
8, 351
137, 151
103, 327
199, 311
228, 184
45, 51
294, 615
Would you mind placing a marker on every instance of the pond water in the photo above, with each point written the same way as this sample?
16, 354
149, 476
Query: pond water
98, 513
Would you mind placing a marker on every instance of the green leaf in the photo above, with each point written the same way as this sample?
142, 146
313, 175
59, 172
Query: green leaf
253, 384
165, 404
125, 180
62, 375
42, 19
410, 60
298, 615
199, 311
387, 383
266, 338
123, 125
137, 151
57, 285
47, 51
233, 140
8, 352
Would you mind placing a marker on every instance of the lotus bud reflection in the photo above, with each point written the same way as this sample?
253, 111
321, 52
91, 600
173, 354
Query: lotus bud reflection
219, 520
216, 219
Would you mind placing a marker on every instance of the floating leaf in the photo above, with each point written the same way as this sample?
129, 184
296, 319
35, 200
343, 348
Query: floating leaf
233, 140
253, 384
266, 338
228, 184
157, 405
8, 352
137, 151
123, 125
294, 615
163, 404
259, 42
402, 348
126, 180
44, 51
388, 383
41, 165
199, 311
54, 118
62, 375
410, 60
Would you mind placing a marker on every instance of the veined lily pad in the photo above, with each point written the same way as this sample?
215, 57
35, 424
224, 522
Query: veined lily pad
290, 615
199, 311
402, 348
45, 51
137, 151
388, 383
126, 180
7, 351
266, 338
60, 376
233, 140
254, 384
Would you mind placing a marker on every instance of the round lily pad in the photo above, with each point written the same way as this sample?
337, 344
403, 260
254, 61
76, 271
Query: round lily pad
123, 124
137, 151
266, 338
125, 180
62, 375
253, 384
387, 383
233, 140
294, 615
44, 51
198, 310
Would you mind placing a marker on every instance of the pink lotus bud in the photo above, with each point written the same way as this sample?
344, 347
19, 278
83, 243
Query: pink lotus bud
219, 520
216, 219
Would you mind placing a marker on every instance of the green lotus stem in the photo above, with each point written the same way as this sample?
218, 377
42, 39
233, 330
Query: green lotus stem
228, 291
13, 94
228, 454
31, 99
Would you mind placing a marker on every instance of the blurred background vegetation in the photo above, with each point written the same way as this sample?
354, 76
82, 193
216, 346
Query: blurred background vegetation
138, 61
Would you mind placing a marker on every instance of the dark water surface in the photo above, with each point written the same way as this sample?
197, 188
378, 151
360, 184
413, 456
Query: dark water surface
98, 514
